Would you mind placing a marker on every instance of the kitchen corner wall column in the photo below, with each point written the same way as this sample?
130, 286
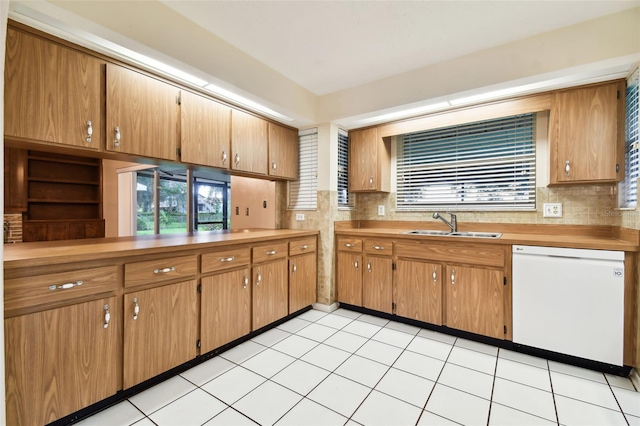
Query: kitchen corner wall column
323, 217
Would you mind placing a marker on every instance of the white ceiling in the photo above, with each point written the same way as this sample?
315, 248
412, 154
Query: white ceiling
326, 46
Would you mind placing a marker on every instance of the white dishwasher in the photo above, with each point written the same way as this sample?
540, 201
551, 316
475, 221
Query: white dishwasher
569, 301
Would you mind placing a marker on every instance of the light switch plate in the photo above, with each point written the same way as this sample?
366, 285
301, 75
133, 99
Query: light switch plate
381, 210
299, 216
552, 210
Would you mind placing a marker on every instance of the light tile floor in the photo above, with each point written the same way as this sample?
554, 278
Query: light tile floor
346, 368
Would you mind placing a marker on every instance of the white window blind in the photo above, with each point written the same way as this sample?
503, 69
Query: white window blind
303, 193
629, 190
345, 199
488, 165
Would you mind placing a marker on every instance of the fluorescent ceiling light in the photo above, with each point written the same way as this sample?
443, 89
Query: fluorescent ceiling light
406, 112
503, 93
229, 95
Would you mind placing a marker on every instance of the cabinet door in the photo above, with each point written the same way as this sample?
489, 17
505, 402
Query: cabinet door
418, 291
142, 114
51, 92
585, 135
369, 161
349, 278
248, 143
205, 131
59, 361
270, 293
283, 152
160, 330
475, 300
226, 308
303, 278
377, 285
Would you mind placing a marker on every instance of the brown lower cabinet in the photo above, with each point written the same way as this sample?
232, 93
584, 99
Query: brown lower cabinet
303, 279
475, 300
377, 284
270, 293
160, 330
226, 308
418, 291
60, 360
349, 278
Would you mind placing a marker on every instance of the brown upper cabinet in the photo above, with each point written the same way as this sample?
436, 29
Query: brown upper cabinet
142, 114
586, 134
52, 93
205, 131
369, 161
248, 143
283, 152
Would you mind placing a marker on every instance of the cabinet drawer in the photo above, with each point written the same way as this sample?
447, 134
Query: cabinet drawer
225, 259
350, 244
481, 254
382, 247
51, 288
306, 245
141, 273
269, 252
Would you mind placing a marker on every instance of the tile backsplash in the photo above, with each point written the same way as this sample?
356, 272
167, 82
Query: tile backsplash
13, 228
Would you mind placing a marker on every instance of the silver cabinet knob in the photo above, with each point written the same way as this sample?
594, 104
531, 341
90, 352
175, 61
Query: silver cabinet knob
116, 142
567, 167
136, 308
107, 316
224, 157
89, 131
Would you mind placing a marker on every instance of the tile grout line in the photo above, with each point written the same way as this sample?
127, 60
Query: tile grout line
493, 386
553, 394
435, 383
617, 402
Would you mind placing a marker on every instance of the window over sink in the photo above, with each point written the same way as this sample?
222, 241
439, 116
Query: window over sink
486, 165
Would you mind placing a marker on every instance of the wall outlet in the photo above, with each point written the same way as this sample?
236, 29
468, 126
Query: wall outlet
299, 216
552, 210
380, 210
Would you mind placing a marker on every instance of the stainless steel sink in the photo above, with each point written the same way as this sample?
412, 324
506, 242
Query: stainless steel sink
434, 232
426, 232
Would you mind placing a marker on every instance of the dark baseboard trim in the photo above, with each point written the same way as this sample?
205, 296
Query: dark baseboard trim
623, 371
128, 393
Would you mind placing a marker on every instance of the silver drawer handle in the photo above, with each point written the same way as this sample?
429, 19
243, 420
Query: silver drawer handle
259, 279
271, 252
107, 316
304, 247
89, 131
246, 281
224, 156
164, 271
136, 308
227, 259
116, 142
349, 245
378, 248
65, 286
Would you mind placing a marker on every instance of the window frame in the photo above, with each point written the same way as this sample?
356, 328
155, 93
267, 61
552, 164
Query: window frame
628, 188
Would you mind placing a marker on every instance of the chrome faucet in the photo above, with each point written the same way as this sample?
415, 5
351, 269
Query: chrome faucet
454, 221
